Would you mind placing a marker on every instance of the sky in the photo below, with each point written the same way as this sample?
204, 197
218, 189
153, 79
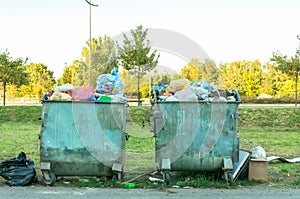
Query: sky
53, 32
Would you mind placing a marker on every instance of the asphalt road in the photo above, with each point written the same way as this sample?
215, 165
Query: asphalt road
41, 192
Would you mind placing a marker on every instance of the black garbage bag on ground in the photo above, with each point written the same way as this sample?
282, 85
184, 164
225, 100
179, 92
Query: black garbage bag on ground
18, 171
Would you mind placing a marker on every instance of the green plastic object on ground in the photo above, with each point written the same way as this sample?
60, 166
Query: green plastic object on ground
129, 185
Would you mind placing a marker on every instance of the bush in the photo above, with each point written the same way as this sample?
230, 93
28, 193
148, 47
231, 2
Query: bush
274, 100
139, 114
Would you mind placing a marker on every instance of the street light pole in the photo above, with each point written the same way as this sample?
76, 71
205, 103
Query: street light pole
90, 54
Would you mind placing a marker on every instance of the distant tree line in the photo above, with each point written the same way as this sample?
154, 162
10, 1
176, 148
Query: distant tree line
250, 78
278, 78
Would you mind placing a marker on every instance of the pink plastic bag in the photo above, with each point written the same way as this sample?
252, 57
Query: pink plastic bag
82, 93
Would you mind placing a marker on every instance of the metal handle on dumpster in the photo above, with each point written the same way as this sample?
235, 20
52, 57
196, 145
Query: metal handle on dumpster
126, 135
234, 117
42, 118
232, 121
236, 95
158, 118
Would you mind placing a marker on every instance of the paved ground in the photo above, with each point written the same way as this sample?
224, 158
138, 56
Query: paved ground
41, 192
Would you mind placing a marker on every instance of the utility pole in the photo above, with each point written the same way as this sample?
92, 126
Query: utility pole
90, 54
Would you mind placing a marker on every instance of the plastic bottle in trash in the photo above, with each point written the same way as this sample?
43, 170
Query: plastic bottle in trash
129, 185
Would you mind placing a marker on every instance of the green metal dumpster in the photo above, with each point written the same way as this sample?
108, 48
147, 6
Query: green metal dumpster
196, 136
81, 138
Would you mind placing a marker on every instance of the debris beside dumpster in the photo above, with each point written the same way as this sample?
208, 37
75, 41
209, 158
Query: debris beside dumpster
258, 153
258, 164
141, 175
293, 160
241, 167
152, 179
18, 171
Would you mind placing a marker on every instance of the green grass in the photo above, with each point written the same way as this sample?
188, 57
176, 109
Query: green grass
17, 137
20, 114
266, 118
19, 130
140, 149
284, 143
277, 130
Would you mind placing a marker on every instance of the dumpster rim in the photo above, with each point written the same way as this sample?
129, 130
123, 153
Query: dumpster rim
199, 102
80, 101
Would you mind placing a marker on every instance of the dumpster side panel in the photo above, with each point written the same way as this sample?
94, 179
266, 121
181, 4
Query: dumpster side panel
72, 130
196, 136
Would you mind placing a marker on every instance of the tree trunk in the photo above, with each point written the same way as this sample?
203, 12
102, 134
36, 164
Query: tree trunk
139, 95
296, 90
4, 92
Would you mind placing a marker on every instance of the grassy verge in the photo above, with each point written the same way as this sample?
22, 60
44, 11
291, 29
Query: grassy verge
19, 129
283, 143
277, 130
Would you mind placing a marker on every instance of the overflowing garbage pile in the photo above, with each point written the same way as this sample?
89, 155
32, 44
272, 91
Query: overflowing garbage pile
184, 90
109, 89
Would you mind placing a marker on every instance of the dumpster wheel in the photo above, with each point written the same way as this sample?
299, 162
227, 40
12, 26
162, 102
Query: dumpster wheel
167, 177
117, 176
230, 178
49, 178
114, 177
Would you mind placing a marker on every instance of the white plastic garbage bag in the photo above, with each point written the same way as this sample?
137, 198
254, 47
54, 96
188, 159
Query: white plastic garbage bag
258, 153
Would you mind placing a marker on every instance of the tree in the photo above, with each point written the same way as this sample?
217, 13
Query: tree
289, 66
70, 73
135, 54
245, 76
165, 79
252, 76
12, 72
275, 82
40, 78
128, 80
104, 59
191, 70
195, 71
231, 76
209, 71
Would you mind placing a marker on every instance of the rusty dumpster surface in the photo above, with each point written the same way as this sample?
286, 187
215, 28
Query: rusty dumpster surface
196, 136
79, 138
